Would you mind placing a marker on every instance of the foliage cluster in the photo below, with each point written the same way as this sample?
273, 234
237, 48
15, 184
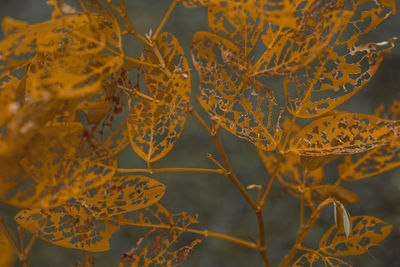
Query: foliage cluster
71, 100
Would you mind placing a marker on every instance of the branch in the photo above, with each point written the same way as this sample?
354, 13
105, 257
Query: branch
155, 170
303, 231
166, 16
205, 233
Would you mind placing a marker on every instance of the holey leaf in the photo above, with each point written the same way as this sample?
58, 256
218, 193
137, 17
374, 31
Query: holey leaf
241, 105
287, 49
360, 166
159, 246
70, 226
155, 126
315, 259
50, 170
122, 194
367, 231
343, 68
70, 76
343, 133
381, 159
241, 21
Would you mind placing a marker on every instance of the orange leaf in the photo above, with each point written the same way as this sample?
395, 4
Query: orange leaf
242, 106
123, 194
70, 226
367, 231
316, 259
155, 126
343, 132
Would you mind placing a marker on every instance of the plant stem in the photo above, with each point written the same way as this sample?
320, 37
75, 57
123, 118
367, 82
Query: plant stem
22, 256
303, 231
166, 16
205, 233
155, 170
229, 173
3, 227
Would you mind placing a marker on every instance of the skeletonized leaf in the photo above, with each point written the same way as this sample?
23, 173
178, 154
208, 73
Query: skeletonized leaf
317, 24
70, 226
367, 231
158, 246
241, 105
123, 194
155, 126
371, 163
342, 68
315, 259
241, 21
51, 171
70, 76
344, 132
7, 252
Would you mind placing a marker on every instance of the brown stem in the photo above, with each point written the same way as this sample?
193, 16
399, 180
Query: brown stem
303, 231
205, 233
4, 229
229, 173
154, 170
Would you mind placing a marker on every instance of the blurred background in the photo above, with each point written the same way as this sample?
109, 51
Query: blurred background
219, 205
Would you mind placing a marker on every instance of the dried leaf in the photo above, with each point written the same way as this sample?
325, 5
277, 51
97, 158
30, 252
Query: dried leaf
335, 191
290, 168
122, 195
314, 162
240, 105
70, 226
376, 161
241, 21
342, 68
367, 231
314, 26
52, 171
158, 246
315, 259
343, 132
155, 126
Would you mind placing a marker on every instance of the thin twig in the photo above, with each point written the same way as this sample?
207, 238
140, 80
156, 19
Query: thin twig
205, 233
165, 18
303, 231
4, 229
156, 170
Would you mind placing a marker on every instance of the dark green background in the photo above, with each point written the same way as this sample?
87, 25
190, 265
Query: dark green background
220, 207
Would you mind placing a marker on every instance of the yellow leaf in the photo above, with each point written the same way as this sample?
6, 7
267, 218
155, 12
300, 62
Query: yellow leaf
242, 106
367, 231
155, 126
122, 195
342, 133
288, 49
341, 68
158, 246
335, 191
316, 259
51, 170
360, 166
70, 226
